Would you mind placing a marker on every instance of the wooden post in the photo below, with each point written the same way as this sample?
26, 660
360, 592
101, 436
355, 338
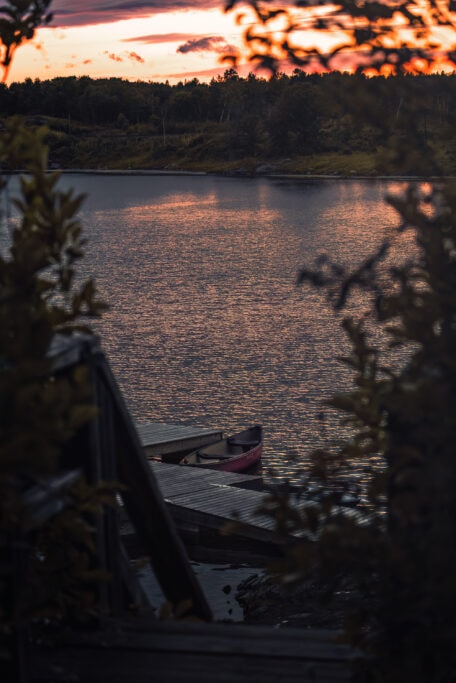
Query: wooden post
102, 467
116, 451
146, 508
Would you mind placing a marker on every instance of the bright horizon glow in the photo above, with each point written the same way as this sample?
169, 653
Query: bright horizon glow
175, 44
115, 49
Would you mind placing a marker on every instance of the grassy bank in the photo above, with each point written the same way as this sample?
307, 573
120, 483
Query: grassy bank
208, 151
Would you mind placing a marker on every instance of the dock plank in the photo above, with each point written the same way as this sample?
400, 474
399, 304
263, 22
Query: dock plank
211, 492
226, 503
173, 651
118, 666
211, 499
158, 438
167, 472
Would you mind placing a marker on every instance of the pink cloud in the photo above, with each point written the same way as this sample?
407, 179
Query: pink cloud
160, 38
85, 12
242, 69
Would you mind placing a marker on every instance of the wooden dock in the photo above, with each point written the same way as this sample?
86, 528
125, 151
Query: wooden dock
161, 440
115, 645
200, 500
142, 651
203, 501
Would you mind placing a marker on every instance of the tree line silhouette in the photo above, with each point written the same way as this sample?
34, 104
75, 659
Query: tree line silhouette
233, 118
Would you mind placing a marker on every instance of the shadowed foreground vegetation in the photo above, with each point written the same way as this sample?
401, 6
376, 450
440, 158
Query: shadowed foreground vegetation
289, 124
397, 554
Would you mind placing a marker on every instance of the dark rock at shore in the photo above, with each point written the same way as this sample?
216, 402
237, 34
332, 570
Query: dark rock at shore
266, 602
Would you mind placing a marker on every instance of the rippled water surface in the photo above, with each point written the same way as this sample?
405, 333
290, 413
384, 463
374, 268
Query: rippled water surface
207, 326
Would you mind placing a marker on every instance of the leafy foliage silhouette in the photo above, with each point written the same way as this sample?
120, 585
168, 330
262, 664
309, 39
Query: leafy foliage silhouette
383, 37
18, 21
45, 569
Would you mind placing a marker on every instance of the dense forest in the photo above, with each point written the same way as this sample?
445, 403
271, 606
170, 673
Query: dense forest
290, 123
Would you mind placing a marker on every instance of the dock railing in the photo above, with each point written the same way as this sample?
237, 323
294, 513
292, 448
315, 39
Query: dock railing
107, 449
110, 450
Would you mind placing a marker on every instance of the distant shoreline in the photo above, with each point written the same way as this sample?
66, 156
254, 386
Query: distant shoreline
240, 174
253, 176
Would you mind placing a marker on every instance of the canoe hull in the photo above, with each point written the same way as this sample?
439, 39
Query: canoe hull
238, 463
235, 454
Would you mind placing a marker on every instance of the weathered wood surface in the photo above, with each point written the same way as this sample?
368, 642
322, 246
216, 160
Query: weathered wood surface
175, 480
109, 449
145, 506
210, 499
175, 652
160, 439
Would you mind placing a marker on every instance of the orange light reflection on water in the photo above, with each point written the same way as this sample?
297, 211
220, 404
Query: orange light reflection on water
207, 325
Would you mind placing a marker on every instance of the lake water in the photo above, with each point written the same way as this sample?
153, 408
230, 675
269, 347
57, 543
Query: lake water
207, 326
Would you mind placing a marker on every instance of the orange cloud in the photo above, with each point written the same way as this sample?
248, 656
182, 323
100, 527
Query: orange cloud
133, 56
111, 55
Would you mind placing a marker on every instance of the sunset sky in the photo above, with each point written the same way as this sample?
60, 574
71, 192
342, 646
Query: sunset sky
133, 39
149, 40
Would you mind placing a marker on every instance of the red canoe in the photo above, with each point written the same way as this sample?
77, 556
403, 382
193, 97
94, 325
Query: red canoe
233, 454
